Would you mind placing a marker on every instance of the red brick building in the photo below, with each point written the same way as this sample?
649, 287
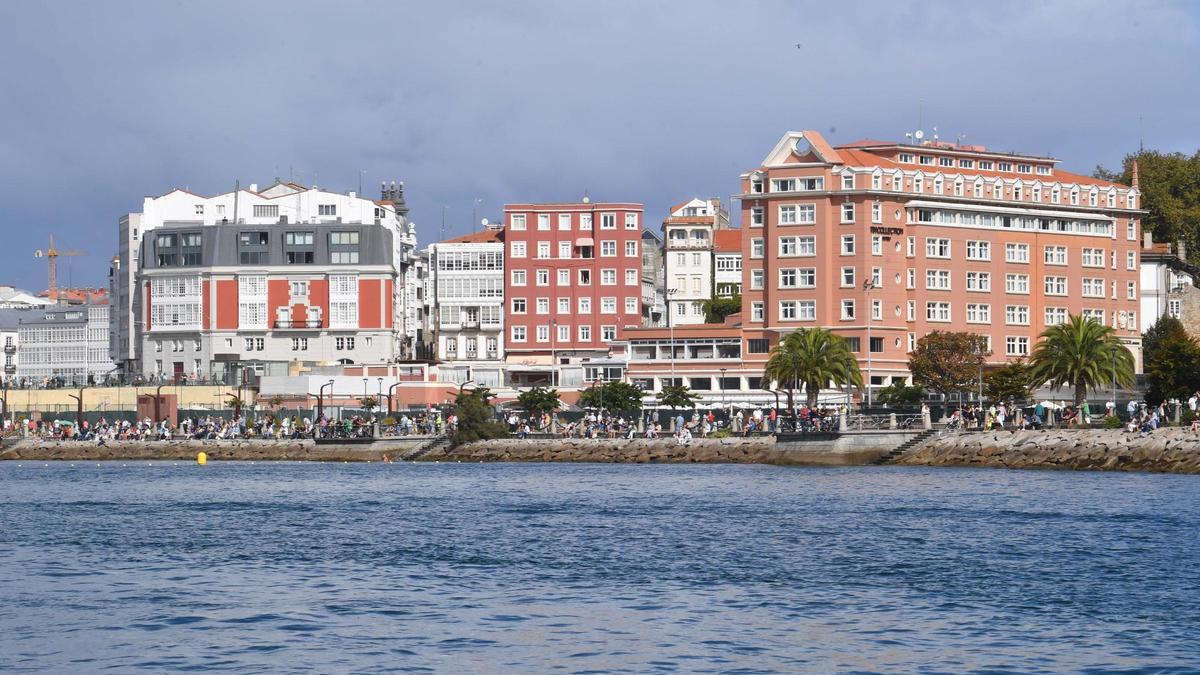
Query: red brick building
572, 280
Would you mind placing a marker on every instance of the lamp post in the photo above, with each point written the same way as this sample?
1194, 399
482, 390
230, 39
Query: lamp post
379, 393
671, 324
363, 402
389, 395
321, 399
721, 387
1114, 384
868, 286
553, 352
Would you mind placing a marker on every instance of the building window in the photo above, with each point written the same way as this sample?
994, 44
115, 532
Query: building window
608, 221
518, 305
517, 249
266, 210
847, 244
1057, 255
543, 221
937, 248
543, 305
564, 277
876, 212
585, 333
847, 277
1058, 286
517, 221
1016, 315
756, 280
848, 212
979, 281
937, 312
1016, 283
1016, 253
585, 305
564, 305
979, 250
564, 221
326, 209
1131, 290
979, 313
518, 277
756, 216
756, 311
1016, 345
912, 247
518, 333
543, 250
542, 333
631, 221
631, 304
876, 244
847, 309
1091, 287
608, 248
787, 310
937, 280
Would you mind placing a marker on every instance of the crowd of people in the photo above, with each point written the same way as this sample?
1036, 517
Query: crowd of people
215, 427
1139, 416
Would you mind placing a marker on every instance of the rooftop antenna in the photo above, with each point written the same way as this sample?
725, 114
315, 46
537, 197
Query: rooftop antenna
1141, 147
935, 136
961, 138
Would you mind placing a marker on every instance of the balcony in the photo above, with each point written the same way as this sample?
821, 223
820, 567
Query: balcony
688, 244
10, 349
297, 325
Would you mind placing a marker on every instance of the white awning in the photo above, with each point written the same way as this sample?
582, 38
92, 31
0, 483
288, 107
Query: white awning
585, 241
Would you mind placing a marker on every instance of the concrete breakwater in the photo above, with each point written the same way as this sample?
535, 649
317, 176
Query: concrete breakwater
239, 450
1173, 450
846, 450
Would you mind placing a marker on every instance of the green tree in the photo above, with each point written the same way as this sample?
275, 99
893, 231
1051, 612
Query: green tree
1166, 327
368, 403
1173, 369
1081, 353
812, 358
538, 400
899, 393
1009, 382
677, 396
1170, 188
237, 404
476, 421
716, 309
947, 361
617, 396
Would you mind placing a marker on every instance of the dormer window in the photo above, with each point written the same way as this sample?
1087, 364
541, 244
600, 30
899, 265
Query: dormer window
847, 181
945, 161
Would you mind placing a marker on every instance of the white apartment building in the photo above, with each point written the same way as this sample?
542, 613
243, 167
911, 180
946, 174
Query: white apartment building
467, 275
727, 263
270, 281
1166, 284
69, 344
688, 258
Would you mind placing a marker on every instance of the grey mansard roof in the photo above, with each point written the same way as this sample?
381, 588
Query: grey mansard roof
219, 245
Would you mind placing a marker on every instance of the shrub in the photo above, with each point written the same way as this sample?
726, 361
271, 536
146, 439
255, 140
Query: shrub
1112, 423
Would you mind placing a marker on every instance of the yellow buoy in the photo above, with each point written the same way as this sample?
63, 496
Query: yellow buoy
201, 458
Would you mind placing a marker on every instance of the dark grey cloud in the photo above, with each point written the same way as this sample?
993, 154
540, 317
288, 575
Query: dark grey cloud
644, 101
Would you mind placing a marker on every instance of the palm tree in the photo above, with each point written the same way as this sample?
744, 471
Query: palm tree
814, 358
1082, 353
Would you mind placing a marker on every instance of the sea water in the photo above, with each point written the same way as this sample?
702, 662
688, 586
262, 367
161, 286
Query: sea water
289, 567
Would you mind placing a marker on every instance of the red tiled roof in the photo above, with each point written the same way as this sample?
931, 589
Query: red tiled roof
727, 241
680, 206
864, 143
481, 237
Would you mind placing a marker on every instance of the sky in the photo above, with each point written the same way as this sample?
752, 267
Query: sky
481, 104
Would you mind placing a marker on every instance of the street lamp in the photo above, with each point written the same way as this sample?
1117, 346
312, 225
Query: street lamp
379, 393
553, 352
721, 386
671, 324
321, 399
868, 286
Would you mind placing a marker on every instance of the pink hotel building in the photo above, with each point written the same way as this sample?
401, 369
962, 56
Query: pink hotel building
899, 240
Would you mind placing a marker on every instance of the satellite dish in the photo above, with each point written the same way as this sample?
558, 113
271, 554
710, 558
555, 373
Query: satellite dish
37, 253
484, 222
919, 134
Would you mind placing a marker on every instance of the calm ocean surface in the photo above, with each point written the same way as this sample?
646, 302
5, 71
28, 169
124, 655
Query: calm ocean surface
595, 568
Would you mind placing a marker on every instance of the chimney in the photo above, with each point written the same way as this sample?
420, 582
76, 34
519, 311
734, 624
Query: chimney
254, 187
1147, 241
1134, 180
1181, 250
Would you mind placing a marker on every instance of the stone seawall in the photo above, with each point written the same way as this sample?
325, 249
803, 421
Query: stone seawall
847, 450
1173, 450
242, 450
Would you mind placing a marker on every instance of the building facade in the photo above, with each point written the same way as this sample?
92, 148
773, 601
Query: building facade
654, 303
468, 316
908, 239
688, 233
266, 281
884, 242
573, 278
66, 345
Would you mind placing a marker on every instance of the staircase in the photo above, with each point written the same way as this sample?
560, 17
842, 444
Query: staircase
439, 443
904, 447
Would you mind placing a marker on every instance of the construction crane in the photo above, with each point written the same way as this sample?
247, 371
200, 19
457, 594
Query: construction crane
51, 255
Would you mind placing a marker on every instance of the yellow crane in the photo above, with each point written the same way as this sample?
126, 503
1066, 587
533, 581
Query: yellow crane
51, 255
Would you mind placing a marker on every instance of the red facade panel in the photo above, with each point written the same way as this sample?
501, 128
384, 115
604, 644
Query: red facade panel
227, 304
278, 293
369, 298
318, 296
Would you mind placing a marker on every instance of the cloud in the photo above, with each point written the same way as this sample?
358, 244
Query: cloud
527, 101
